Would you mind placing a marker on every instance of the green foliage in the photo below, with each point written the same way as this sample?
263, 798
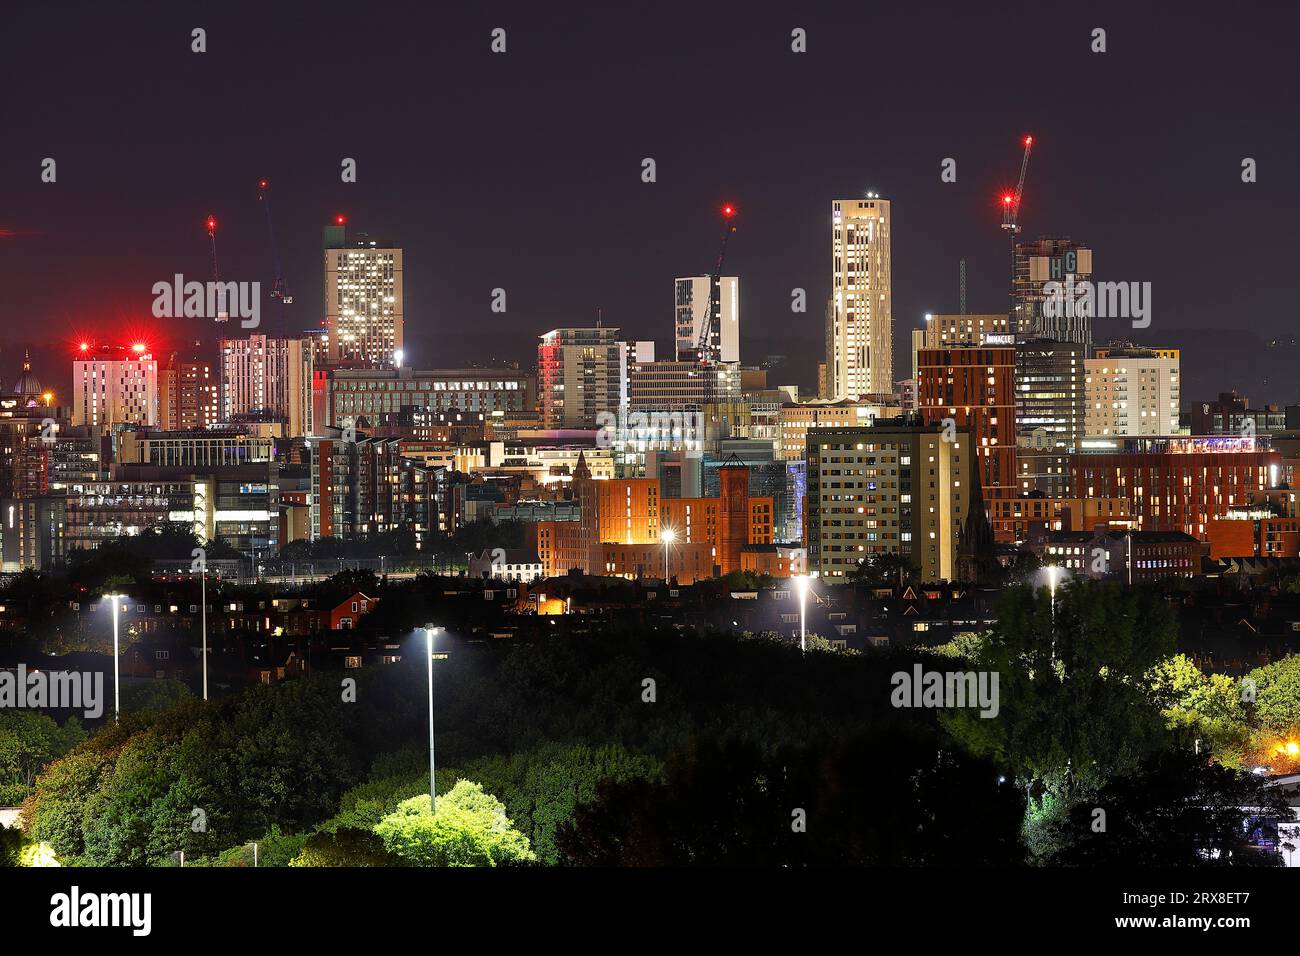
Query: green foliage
1176, 810
1073, 684
345, 846
542, 787
469, 828
1202, 707
28, 741
11, 846
271, 755
1277, 696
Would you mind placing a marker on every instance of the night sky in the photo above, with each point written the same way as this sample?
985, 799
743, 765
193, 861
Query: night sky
522, 170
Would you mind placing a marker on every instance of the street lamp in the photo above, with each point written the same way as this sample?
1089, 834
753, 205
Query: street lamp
429, 631
1052, 572
116, 696
203, 616
801, 585
667, 536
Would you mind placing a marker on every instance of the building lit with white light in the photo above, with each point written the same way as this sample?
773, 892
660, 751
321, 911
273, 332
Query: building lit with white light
691, 304
1131, 391
264, 377
860, 321
363, 299
115, 386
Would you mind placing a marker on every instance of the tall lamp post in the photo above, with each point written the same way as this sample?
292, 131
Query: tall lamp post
667, 536
801, 584
117, 707
429, 631
1052, 572
203, 616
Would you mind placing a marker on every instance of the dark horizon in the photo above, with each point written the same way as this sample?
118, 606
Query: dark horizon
1137, 152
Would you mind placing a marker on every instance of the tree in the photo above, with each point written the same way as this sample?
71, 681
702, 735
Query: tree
886, 797
1277, 695
1202, 707
347, 846
1074, 700
470, 828
11, 845
1176, 810
28, 741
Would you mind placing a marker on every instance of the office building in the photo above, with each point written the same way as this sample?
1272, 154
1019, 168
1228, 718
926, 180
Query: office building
268, 379
888, 489
1131, 391
691, 303
364, 314
973, 387
860, 320
581, 376
1177, 484
1037, 262
1050, 403
115, 386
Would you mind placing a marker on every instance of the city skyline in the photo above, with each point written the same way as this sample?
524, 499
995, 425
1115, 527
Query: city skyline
441, 213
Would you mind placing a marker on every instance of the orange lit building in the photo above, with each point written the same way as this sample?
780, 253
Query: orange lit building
975, 387
1026, 516
621, 522
1254, 534
1176, 484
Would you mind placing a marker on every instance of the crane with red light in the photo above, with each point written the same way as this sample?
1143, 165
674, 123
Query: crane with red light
1011, 201
279, 289
222, 314
1011, 224
704, 346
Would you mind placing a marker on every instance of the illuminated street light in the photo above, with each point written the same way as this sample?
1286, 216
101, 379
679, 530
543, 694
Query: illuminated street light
1052, 573
116, 696
801, 585
429, 631
667, 536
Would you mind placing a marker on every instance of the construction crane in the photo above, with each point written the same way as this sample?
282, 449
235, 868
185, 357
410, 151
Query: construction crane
1011, 224
1011, 201
279, 290
703, 346
212, 243
223, 315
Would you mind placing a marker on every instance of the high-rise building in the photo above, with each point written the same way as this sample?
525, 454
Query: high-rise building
1050, 404
973, 386
1050, 259
581, 375
691, 303
115, 386
943, 329
860, 324
1178, 484
887, 489
363, 299
268, 378
1131, 391
187, 393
